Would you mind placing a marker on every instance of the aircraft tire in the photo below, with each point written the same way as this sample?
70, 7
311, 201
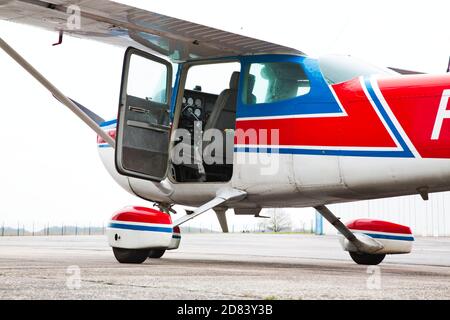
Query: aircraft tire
367, 259
134, 256
156, 253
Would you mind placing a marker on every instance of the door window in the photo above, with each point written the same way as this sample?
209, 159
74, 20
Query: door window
147, 80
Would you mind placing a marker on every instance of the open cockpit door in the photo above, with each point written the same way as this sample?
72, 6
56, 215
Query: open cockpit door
143, 128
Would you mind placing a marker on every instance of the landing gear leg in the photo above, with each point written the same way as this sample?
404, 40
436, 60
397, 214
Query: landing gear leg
363, 251
221, 216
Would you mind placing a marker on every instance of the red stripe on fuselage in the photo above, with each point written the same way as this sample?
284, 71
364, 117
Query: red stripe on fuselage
415, 100
112, 133
360, 128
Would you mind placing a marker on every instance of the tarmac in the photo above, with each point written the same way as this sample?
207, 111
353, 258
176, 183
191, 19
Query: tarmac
220, 266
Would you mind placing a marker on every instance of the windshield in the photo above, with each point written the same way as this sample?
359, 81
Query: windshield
340, 68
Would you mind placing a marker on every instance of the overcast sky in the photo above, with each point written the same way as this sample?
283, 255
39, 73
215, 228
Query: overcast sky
49, 166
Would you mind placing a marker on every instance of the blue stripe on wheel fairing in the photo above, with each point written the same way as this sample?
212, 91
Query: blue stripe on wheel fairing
139, 227
389, 237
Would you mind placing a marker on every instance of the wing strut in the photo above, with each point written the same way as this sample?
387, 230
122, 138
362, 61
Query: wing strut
56, 93
222, 196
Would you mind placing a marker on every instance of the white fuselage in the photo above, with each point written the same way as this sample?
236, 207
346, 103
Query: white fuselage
301, 180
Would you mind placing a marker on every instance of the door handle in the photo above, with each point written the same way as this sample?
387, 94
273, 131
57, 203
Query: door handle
137, 109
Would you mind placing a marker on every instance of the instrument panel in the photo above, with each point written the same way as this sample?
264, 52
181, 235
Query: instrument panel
196, 106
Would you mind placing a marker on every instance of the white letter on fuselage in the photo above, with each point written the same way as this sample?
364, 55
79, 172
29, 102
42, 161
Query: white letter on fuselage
442, 114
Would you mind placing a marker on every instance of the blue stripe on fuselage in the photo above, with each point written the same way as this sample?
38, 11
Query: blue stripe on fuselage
108, 123
406, 152
318, 152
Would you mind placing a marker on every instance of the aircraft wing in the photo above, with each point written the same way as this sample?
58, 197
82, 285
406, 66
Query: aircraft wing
119, 24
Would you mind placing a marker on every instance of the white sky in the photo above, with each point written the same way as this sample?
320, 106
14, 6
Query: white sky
49, 167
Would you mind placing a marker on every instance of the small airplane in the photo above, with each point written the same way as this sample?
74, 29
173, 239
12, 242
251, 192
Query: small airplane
245, 124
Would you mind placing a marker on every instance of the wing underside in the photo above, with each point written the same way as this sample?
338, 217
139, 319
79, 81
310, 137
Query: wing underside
118, 24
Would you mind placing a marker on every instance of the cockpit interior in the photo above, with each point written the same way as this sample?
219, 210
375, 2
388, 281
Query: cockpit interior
206, 106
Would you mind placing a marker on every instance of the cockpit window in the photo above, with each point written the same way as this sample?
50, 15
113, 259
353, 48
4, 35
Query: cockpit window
340, 68
274, 81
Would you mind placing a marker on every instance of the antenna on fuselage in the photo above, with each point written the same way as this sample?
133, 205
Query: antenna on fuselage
448, 67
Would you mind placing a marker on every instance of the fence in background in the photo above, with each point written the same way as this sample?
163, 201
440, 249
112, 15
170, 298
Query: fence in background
75, 230
48, 230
